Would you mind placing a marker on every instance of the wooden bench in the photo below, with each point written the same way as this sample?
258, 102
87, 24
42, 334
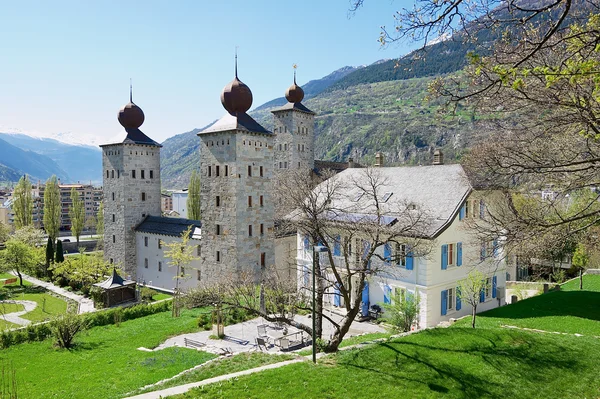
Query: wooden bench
193, 344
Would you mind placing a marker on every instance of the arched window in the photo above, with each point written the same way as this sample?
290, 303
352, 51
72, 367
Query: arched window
143, 196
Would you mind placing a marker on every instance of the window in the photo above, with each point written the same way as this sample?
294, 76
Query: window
226, 169
249, 201
145, 263
488, 288
209, 171
218, 256
218, 229
218, 201
198, 275
111, 261
113, 196
249, 170
249, 230
107, 173
113, 217
263, 259
279, 150
118, 173
152, 174
451, 299
133, 174
159, 266
285, 165
159, 244
450, 254
217, 170
261, 201
142, 174
262, 229
285, 147
198, 250
280, 165
145, 241
114, 239
112, 174
387, 196
143, 196
400, 255
261, 171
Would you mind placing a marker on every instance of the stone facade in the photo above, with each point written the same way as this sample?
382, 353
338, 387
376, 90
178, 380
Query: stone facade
237, 212
294, 139
131, 184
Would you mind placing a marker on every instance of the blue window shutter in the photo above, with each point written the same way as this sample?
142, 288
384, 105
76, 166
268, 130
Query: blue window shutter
409, 259
364, 306
336, 295
444, 302
482, 209
306, 242
461, 212
387, 294
495, 248
483, 251
387, 253
459, 254
337, 246
444, 257
482, 295
458, 301
494, 282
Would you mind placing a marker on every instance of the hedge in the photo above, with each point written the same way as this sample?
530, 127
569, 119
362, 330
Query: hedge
41, 331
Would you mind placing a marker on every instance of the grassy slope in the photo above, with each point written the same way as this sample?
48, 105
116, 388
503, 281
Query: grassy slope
106, 362
457, 362
590, 283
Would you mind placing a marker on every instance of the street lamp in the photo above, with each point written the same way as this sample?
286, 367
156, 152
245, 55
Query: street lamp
317, 249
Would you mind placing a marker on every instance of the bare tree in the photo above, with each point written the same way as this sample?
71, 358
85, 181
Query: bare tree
470, 291
350, 218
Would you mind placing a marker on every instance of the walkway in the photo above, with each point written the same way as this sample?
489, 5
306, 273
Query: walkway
15, 316
86, 305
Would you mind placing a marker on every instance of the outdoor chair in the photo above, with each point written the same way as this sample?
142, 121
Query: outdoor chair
262, 332
284, 344
260, 344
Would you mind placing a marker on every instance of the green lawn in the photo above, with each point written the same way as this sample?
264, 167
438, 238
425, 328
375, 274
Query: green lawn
242, 361
449, 363
160, 296
591, 282
48, 305
105, 363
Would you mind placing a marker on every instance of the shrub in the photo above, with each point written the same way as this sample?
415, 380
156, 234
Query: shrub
205, 321
147, 294
6, 338
66, 327
118, 316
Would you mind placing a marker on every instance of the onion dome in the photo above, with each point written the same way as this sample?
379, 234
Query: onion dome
236, 97
294, 94
131, 116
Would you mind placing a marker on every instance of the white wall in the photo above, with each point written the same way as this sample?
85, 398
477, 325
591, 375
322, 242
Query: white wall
180, 203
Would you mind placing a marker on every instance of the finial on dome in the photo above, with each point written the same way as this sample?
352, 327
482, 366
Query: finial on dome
236, 96
294, 93
131, 116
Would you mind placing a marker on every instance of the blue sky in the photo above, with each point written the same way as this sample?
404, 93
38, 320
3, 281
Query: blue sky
65, 65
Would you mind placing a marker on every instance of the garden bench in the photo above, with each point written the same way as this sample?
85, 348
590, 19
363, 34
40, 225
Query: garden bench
191, 343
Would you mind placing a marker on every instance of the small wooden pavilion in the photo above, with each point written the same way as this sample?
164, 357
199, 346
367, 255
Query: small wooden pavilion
115, 290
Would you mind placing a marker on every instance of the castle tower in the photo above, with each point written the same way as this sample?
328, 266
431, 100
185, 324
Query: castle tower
236, 160
294, 132
131, 184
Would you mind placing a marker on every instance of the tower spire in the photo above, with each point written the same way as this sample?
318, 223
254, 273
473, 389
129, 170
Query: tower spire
130, 91
236, 75
295, 66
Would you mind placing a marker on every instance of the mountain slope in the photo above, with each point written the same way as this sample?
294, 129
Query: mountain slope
83, 163
8, 174
36, 165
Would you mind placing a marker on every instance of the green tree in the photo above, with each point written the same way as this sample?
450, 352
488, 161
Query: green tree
49, 254
76, 213
90, 224
469, 291
100, 220
193, 199
52, 207
403, 311
580, 261
21, 254
83, 269
180, 255
23, 203
60, 257
4, 232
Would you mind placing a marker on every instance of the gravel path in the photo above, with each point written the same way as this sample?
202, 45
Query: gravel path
15, 316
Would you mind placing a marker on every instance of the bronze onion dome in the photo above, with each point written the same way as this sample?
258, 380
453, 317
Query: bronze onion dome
131, 116
294, 93
236, 96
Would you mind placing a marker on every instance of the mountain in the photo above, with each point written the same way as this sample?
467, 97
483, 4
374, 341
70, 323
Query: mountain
78, 163
313, 87
36, 165
8, 174
178, 157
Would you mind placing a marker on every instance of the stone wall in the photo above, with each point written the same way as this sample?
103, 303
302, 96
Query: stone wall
294, 139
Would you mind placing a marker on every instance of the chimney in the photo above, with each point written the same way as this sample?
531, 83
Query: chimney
378, 160
438, 157
351, 162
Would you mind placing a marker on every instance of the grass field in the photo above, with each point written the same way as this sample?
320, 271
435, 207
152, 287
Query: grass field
105, 362
590, 283
458, 362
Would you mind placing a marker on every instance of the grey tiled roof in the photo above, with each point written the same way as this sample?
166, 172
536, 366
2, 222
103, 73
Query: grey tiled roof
297, 106
238, 121
136, 136
168, 226
437, 193
114, 281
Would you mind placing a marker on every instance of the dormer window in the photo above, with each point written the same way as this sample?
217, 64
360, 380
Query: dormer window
387, 196
357, 197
